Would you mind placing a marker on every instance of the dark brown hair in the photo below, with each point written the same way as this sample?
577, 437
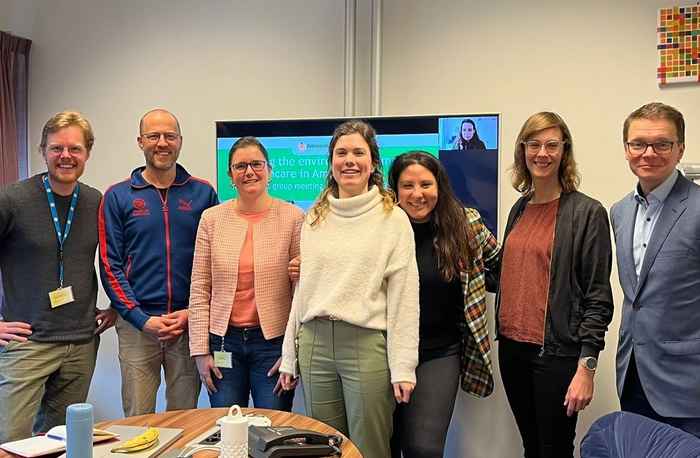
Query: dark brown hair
453, 234
244, 142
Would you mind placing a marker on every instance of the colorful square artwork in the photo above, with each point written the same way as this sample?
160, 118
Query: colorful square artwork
679, 45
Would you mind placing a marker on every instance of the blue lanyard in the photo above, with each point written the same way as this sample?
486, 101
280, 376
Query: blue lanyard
61, 235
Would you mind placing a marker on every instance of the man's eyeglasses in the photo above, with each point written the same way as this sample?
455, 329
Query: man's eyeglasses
153, 137
551, 146
639, 148
59, 149
241, 167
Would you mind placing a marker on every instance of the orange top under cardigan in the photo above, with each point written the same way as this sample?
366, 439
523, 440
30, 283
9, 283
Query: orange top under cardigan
220, 238
245, 313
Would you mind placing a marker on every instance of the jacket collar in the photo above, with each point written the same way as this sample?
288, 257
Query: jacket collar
182, 176
523, 201
660, 193
674, 206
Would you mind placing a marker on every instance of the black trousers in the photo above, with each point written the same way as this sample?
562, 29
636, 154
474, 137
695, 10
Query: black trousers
536, 387
420, 427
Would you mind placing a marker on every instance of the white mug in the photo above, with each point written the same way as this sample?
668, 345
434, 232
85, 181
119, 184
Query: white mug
234, 434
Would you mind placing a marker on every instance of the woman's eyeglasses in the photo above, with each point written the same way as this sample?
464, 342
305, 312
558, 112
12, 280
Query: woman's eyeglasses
241, 167
551, 146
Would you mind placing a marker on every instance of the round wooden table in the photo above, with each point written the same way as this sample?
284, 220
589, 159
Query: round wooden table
196, 422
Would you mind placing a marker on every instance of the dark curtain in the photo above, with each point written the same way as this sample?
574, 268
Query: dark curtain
14, 77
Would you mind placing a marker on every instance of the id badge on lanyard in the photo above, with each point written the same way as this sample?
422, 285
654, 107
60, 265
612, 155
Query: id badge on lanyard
222, 358
63, 294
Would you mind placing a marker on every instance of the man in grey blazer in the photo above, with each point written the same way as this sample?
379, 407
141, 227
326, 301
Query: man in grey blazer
657, 234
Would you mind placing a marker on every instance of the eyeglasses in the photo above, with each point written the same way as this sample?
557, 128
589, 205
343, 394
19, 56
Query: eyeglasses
241, 167
153, 137
551, 146
59, 149
639, 148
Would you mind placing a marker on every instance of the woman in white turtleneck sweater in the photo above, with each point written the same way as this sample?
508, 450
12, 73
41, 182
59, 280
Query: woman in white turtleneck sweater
353, 327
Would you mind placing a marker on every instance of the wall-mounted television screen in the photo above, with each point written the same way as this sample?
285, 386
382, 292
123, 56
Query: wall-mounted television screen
468, 146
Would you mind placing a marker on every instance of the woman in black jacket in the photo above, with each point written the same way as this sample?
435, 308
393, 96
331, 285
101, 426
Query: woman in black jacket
554, 299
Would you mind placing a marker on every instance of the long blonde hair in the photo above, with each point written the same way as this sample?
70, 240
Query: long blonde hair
355, 126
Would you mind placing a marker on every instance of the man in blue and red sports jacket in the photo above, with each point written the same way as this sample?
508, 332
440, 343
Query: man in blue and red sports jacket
147, 229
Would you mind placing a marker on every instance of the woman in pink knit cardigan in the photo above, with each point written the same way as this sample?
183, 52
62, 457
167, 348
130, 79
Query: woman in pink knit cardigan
241, 293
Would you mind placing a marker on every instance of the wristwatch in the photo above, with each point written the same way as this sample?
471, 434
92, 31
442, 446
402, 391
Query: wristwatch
589, 362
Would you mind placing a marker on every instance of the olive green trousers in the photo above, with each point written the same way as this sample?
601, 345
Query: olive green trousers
347, 383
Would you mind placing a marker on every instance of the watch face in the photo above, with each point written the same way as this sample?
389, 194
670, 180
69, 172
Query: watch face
591, 363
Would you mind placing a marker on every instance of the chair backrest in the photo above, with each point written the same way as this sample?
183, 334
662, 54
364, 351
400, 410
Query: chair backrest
628, 435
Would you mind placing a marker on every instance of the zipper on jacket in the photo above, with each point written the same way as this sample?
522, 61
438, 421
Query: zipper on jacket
549, 283
127, 272
166, 221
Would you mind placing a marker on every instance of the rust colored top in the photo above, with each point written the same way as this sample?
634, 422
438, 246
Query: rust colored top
244, 313
527, 257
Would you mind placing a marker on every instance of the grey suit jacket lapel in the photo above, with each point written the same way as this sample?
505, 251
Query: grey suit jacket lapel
628, 215
674, 207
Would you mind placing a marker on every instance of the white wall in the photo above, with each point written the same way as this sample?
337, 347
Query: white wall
593, 62
17, 17
204, 61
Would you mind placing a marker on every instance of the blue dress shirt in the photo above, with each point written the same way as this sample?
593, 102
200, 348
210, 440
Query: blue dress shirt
648, 210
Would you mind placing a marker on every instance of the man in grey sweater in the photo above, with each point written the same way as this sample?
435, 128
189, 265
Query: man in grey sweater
50, 324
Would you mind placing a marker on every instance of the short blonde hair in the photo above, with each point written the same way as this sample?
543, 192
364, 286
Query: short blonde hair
67, 119
569, 177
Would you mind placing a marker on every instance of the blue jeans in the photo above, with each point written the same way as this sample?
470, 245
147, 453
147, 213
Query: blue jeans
252, 357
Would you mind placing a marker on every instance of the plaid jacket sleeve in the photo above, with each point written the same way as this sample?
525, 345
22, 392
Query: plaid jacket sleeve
476, 367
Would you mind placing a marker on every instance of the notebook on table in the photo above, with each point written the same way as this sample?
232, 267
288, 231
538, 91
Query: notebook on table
53, 441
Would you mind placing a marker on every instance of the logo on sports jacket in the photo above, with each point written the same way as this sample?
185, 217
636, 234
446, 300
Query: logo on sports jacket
140, 208
184, 205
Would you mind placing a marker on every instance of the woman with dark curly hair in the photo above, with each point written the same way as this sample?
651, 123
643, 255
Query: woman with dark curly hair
454, 250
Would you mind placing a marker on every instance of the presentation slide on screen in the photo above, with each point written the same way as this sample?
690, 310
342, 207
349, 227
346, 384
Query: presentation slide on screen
300, 162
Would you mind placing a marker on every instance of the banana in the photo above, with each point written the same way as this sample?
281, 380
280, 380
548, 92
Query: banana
143, 441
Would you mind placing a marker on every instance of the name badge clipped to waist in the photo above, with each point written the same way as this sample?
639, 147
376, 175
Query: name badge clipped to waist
223, 358
61, 296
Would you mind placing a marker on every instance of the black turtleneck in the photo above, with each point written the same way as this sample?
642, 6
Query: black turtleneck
441, 302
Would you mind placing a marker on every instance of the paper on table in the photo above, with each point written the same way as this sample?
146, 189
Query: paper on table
52, 442
34, 446
98, 435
